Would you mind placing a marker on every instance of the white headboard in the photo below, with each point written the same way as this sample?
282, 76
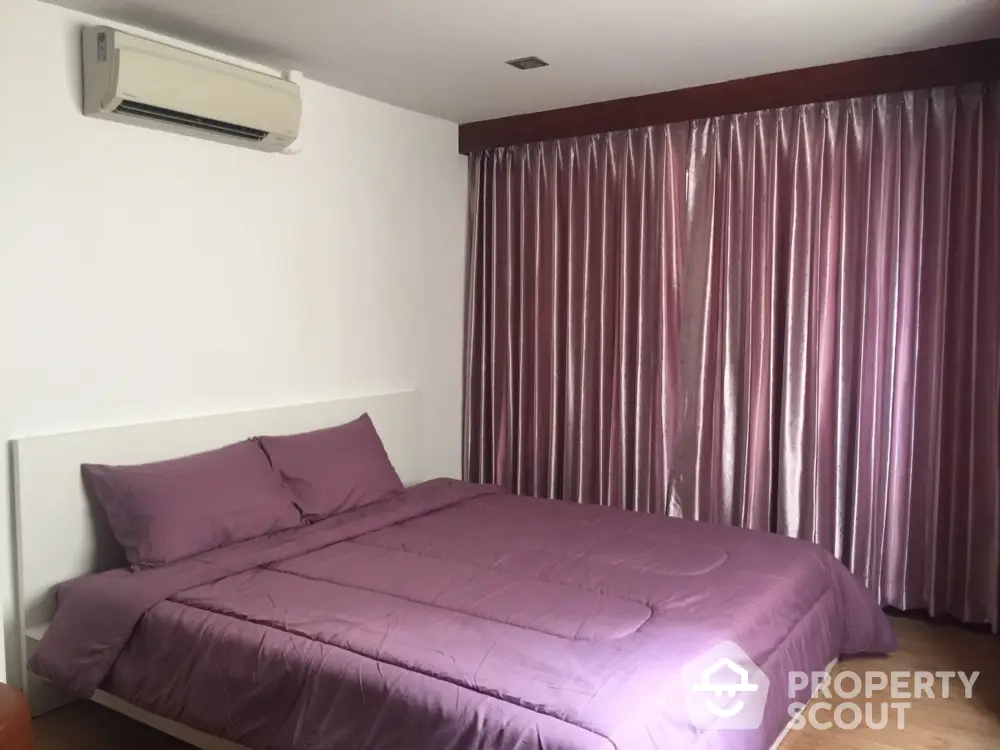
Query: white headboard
59, 535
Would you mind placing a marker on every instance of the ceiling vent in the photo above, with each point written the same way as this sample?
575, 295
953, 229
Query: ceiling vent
527, 63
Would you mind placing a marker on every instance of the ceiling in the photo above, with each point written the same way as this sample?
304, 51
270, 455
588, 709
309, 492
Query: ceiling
446, 57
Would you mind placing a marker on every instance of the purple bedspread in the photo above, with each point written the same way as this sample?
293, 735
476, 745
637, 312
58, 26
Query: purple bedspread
455, 617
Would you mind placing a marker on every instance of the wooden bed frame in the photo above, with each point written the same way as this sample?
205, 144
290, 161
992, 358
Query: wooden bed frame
59, 535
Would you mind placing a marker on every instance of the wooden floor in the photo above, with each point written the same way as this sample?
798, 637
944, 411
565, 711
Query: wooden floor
939, 724
953, 724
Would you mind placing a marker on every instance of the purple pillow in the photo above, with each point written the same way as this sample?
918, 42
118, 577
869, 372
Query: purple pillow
333, 470
164, 511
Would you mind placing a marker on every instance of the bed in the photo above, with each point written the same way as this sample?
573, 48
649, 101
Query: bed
453, 616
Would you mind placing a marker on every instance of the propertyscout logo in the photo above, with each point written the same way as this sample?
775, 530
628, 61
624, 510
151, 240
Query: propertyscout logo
724, 689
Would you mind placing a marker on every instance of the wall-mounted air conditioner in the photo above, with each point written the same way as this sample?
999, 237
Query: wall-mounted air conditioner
137, 81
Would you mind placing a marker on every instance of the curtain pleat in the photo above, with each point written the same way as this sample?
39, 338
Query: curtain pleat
785, 320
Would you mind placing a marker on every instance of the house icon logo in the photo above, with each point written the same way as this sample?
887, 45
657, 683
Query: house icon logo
724, 689
715, 681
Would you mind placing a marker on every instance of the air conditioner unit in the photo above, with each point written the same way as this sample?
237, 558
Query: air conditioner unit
141, 82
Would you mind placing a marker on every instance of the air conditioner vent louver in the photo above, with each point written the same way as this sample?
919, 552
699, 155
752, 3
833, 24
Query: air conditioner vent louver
148, 111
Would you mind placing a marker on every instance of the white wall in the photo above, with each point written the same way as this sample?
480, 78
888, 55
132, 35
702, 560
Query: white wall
146, 276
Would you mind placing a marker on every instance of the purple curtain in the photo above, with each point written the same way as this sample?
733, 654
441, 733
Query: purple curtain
786, 320
572, 322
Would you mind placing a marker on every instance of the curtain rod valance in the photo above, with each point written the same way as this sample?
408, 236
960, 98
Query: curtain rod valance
944, 66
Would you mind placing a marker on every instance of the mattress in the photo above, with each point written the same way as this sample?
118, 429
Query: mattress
458, 616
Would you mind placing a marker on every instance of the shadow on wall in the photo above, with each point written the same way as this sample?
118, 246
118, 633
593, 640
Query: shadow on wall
976, 20
74, 64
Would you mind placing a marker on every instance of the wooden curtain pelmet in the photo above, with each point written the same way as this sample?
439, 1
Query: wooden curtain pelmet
944, 66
